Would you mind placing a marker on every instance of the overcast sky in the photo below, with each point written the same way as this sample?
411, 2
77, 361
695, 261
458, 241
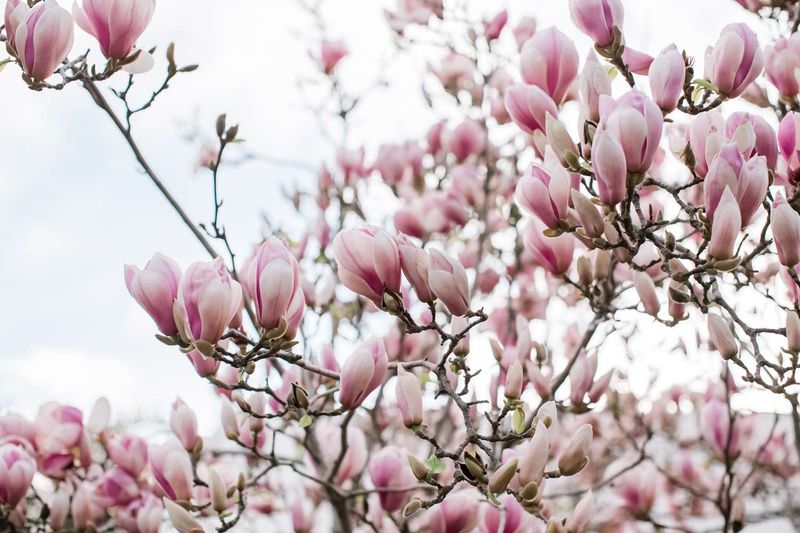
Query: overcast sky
76, 208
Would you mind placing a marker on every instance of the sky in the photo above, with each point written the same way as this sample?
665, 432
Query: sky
76, 208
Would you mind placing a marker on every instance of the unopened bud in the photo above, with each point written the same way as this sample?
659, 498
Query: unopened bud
793, 331
602, 264
529, 491
575, 457
584, 271
474, 466
412, 507
419, 469
299, 396
503, 476
216, 487
721, 336
513, 388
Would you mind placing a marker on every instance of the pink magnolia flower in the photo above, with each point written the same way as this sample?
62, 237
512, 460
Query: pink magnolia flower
414, 263
637, 489
17, 467
496, 25
635, 122
204, 366
544, 191
14, 427
40, 36
351, 163
735, 61
356, 449
455, 72
593, 83
330, 53
208, 299
741, 125
389, 469
116, 487
458, 513
725, 228
597, 18
786, 231
129, 452
466, 139
636, 61
533, 456
789, 141
610, 170
782, 64
409, 397
59, 430
748, 180
667, 75
143, 515
705, 136
524, 30
362, 372
183, 423
368, 262
434, 137
549, 60
271, 278
553, 253
399, 163
581, 377
116, 24
172, 470
86, 508
529, 106
155, 288
715, 424
448, 281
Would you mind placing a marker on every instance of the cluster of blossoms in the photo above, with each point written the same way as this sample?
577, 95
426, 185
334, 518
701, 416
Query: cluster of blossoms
454, 370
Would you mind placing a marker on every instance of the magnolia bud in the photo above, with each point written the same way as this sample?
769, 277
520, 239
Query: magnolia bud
721, 336
419, 469
474, 466
559, 140
458, 325
602, 264
299, 396
647, 292
590, 218
181, 519
230, 425
793, 331
409, 397
575, 457
503, 476
412, 507
513, 388
219, 493
529, 491
584, 271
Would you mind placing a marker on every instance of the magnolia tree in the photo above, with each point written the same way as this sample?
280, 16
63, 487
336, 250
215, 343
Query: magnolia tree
450, 363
